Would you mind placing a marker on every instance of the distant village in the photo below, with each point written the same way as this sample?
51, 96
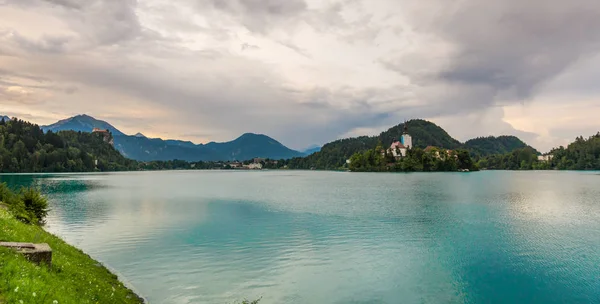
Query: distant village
256, 164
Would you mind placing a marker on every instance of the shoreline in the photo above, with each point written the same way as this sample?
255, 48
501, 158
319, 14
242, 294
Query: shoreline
270, 170
74, 276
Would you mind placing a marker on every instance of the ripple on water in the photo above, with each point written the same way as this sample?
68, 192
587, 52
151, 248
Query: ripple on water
322, 237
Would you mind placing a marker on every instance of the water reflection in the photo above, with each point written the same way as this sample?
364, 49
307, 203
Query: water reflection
324, 237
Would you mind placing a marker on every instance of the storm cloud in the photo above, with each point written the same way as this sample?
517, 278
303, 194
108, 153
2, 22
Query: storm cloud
304, 72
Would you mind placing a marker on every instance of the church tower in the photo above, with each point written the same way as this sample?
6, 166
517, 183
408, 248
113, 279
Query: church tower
406, 138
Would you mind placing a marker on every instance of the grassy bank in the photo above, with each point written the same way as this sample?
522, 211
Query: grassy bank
73, 278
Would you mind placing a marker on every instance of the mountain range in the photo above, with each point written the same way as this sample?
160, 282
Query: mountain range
250, 145
312, 149
141, 148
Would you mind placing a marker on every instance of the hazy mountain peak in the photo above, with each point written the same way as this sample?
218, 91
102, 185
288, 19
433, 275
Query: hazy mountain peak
139, 147
83, 123
312, 149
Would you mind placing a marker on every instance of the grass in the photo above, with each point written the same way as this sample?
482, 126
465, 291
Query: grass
73, 278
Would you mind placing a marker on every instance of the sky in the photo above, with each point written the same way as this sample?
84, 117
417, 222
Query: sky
306, 72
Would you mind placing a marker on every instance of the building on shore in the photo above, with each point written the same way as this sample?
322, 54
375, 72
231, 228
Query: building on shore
436, 151
545, 158
398, 149
235, 165
106, 134
254, 166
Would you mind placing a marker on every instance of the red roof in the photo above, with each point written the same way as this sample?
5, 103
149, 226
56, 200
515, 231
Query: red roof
398, 145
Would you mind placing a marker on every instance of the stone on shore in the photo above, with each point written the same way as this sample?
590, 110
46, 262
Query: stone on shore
36, 253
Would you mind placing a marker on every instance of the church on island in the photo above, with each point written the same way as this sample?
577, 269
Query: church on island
398, 148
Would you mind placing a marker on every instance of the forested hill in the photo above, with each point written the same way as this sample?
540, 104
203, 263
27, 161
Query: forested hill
24, 147
334, 155
484, 146
582, 154
424, 133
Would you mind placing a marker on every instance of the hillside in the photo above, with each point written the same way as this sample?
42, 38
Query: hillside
81, 123
251, 145
484, 146
334, 154
74, 277
150, 149
312, 149
141, 148
582, 154
245, 147
423, 132
24, 147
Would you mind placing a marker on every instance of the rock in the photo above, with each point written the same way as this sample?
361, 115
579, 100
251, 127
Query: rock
36, 253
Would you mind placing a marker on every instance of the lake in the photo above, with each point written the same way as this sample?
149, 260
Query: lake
336, 237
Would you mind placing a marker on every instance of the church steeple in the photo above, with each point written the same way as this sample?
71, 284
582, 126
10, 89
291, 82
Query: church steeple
406, 138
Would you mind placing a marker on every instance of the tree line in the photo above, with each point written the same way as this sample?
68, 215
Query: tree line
582, 154
24, 147
416, 160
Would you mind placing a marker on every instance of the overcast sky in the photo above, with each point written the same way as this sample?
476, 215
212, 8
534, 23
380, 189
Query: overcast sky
306, 71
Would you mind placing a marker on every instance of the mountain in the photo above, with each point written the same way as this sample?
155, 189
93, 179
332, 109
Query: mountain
424, 133
484, 146
149, 149
141, 148
251, 145
6, 118
83, 123
312, 149
245, 147
31, 150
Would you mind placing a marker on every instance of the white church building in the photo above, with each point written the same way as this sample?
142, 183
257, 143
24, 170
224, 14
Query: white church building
398, 148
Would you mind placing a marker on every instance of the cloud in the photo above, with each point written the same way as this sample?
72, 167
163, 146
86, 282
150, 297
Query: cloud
247, 46
524, 44
303, 72
510, 46
97, 22
258, 15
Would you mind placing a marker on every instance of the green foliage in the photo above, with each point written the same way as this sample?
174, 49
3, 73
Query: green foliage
484, 146
28, 205
24, 147
582, 154
73, 278
520, 159
416, 160
35, 204
334, 154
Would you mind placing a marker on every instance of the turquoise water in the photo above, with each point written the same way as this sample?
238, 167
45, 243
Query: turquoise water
337, 237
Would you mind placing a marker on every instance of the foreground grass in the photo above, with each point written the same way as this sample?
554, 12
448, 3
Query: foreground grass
74, 277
